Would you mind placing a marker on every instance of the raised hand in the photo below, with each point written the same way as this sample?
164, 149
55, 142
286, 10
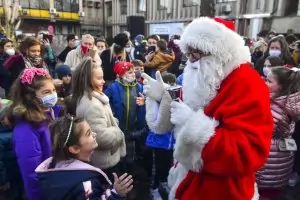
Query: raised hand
154, 88
123, 184
140, 100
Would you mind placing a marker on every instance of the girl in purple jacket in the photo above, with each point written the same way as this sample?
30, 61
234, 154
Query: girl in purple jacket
34, 106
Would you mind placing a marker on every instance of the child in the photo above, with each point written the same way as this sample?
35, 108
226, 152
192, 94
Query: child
162, 145
284, 85
127, 103
64, 73
90, 103
34, 106
138, 66
68, 175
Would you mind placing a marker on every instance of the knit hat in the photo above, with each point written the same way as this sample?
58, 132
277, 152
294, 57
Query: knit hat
139, 38
63, 70
259, 43
121, 39
122, 67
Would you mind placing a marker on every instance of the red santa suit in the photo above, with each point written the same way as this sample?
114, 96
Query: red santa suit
224, 125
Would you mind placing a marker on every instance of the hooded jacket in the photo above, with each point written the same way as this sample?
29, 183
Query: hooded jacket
161, 60
74, 180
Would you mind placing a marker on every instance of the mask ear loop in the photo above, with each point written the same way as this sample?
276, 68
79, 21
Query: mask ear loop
70, 129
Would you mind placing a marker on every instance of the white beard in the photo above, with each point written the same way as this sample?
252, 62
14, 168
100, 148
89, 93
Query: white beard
201, 81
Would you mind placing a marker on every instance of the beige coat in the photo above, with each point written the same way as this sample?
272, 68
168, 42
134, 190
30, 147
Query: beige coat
75, 56
111, 140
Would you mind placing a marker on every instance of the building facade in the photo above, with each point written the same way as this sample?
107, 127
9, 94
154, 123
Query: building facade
93, 17
162, 17
255, 16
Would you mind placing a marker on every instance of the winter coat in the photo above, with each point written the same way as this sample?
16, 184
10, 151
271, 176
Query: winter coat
131, 117
161, 141
75, 56
161, 60
110, 138
108, 64
5, 80
32, 146
80, 181
50, 59
278, 168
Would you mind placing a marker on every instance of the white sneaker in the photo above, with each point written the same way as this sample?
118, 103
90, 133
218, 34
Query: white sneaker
155, 195
294, 180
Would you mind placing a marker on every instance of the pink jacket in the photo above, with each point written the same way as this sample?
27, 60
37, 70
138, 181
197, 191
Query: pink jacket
279, 165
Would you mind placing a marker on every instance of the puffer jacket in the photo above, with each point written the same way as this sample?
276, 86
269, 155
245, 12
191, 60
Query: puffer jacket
279, 165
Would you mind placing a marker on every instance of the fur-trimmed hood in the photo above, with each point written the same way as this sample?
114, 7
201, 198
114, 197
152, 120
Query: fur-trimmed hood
214, 38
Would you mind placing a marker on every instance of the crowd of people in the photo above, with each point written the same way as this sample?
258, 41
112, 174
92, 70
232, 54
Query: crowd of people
79, 118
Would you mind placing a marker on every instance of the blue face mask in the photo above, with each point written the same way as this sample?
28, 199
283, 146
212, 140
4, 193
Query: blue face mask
49, 101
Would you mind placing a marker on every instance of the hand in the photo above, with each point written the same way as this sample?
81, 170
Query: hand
140, 100
154, 88
57, 82
180, 113
46, 42
150, 55
123, 184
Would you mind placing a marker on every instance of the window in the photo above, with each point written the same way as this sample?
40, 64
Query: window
109, 8
58, 4
225, 1
35, 4
74, 6
141, 6
66, 5
162, 4
24, 3
123, 7
44, 4
188, 3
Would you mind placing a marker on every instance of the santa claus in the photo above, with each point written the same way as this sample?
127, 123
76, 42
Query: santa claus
223, 126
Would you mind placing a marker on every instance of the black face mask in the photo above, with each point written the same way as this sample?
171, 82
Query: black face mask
259, 53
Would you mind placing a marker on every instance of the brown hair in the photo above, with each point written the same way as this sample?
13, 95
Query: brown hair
27, 43
275, 61
285, 53
162, 45
102, 40
82, 80
168, 77
24, 101
3, 42
154, 37
63, 135
137, 62
288, 79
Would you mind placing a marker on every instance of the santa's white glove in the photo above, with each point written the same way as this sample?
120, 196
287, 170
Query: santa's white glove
180, 113
154, 88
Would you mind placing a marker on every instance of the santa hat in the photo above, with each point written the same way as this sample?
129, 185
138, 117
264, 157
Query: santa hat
122, 67
215, 37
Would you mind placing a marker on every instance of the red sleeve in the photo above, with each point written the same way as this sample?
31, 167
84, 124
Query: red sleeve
242, 140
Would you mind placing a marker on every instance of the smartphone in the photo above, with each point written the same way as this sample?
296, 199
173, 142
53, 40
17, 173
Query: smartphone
48, 37
175, 92
151, 49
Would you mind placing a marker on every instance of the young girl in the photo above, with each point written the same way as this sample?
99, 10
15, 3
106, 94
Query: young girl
73, 143
284, 85
34, 106
92, 104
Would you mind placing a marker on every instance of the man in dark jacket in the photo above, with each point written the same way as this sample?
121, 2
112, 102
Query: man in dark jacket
72, 43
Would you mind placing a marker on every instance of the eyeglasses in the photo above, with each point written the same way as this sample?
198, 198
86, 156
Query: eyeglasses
69, 132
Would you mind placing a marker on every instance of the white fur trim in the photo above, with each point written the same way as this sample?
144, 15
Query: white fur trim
176, 175
192, 138
158, 114
214, 38
256, 194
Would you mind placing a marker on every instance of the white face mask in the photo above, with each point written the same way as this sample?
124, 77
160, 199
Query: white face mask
266, 71
274, 52
10, 52
128, 49
128, 79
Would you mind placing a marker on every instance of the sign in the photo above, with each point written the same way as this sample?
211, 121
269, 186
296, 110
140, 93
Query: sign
166, 29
